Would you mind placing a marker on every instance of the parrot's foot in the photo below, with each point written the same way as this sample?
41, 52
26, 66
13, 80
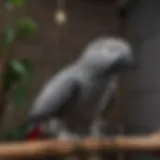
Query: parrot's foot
103, 130
96, 130
96, 133
68, 136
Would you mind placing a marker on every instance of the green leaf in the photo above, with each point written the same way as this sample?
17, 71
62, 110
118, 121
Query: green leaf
17, 77
22, 67
18, 71
19, 95
11, 4
10, 78
18, 67
26, 27
9, 35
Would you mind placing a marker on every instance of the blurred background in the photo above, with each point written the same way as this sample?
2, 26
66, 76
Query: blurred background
56, 45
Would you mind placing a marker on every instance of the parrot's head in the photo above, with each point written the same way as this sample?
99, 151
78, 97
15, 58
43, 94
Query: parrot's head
108, 54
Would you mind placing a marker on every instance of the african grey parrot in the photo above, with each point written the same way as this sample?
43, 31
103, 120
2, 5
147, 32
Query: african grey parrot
70, 99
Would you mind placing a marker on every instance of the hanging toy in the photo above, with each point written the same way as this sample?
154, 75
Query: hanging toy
60, 15
35, 134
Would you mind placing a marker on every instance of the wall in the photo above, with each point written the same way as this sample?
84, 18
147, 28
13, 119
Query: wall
142, 89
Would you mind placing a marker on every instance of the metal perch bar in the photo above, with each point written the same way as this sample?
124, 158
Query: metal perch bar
56, 147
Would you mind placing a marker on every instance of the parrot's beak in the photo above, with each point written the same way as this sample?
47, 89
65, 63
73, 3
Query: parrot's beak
124, 65
132, 63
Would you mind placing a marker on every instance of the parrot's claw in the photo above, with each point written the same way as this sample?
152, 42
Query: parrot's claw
96, 130
96, 134
68, 136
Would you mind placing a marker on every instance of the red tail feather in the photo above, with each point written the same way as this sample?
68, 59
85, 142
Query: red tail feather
35, 134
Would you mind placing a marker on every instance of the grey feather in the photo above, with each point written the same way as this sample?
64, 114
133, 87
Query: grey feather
88, 76
58, 90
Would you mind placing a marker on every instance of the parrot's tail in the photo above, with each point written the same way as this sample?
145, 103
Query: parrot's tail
32, 131
34, 134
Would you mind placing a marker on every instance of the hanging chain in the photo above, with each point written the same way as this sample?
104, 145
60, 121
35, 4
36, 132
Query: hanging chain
61, 4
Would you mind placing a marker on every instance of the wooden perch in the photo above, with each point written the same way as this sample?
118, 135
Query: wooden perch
55, 147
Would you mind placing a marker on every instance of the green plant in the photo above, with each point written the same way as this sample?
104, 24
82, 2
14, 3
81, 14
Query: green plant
14, 73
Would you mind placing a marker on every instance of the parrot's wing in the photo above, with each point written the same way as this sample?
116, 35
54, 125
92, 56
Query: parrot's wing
54, 97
